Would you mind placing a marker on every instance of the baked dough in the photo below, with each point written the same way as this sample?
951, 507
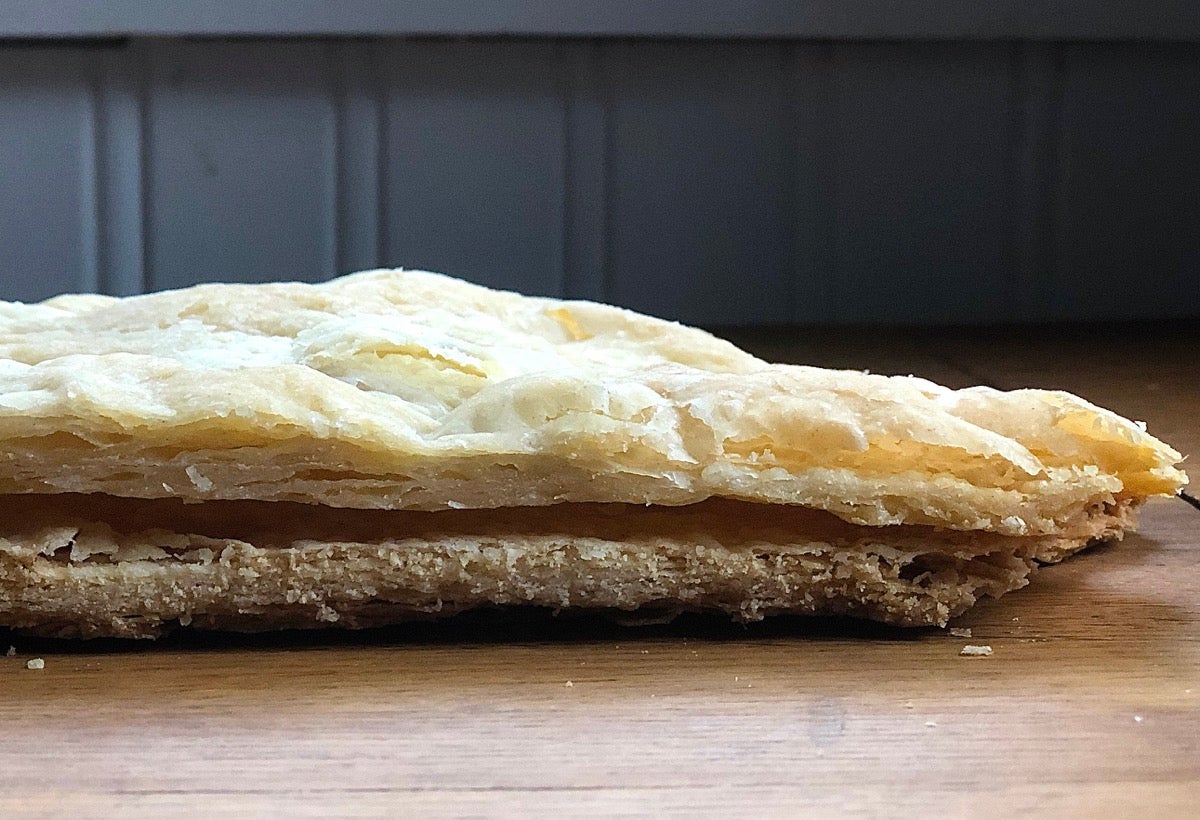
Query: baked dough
437, 400
78, 566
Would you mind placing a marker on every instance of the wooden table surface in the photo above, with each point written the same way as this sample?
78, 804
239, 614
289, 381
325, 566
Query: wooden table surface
1090, 704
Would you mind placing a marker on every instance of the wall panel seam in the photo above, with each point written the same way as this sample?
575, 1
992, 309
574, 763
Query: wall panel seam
568, 213
121, 258
357, 168
1056, 175
91, 185
789, 67
144, 62
827, 202
336, 86
383, 109
604, 95
584, 172
1033, 156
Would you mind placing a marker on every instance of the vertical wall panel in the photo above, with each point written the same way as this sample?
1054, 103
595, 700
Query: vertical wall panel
714, 182
475, 174
1129, 213
586, 215
47, 173
808, 112
1036, 175
697, 189
240, 182
119, 118
924, 158
359, 96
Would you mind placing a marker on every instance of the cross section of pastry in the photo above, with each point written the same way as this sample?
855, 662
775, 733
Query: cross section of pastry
399, 444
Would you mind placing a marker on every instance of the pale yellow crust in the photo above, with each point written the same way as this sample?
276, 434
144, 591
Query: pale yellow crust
409, 390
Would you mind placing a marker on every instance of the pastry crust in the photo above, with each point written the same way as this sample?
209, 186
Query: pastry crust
398, 444
410, 390
88, 567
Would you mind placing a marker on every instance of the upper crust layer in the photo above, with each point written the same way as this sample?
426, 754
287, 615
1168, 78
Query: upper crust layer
404, 389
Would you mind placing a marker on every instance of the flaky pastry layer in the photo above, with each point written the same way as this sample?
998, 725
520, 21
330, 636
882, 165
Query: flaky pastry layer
409, 390
80, 566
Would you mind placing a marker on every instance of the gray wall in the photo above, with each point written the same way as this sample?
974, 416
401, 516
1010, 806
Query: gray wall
713, 181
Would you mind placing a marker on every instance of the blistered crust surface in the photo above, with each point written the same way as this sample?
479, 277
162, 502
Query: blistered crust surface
404, 389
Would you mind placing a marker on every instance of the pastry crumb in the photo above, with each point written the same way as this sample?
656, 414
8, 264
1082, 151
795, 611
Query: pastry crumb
961, 633
908, 704
970, 650
569, 684
930, 723
1137, 718
12, 650
35, 663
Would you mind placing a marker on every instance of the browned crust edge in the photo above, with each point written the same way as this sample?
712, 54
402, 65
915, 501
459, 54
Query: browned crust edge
250, 567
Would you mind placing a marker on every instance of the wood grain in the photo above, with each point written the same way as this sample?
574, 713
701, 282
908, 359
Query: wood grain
1090, 704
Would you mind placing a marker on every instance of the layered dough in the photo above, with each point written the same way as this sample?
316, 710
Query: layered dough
399, 392
78, 566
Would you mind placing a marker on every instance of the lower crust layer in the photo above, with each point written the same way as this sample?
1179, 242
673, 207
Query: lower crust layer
86, 566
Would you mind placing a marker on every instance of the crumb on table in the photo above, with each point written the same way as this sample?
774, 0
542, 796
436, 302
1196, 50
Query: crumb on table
970, 650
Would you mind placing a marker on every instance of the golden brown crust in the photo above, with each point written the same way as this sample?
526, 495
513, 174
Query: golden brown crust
401, 389
76, 566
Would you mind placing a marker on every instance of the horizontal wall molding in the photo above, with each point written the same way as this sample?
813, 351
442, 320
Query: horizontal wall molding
1170, 20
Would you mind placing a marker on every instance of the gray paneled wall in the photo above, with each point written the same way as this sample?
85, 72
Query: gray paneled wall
713, 182
48, 174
